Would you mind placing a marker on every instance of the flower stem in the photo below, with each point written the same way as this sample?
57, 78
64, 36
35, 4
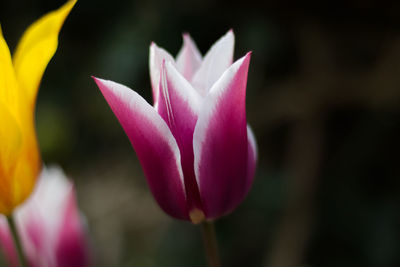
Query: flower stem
17, 241
210, 244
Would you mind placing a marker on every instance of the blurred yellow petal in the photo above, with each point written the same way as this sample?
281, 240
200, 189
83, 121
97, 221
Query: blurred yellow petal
36, 48
10, 150
20, 161
9, 91
27, 168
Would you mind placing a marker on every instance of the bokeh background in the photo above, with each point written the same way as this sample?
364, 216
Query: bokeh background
323, 99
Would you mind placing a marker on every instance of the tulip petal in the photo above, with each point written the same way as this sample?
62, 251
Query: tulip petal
156, 59
221, 144
178, 95
41, 215
215, 62
71, 246
9, 90
189, 58
10, 132
179, 105
154, 144
251, 159
36, 47
49, 223
51, 191
10, 149
7, 244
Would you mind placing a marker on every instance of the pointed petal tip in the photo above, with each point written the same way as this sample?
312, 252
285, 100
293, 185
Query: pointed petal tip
38, 44
72, 2
107, 86
186, 37
247, 57
153, 47
97, 80
243, 61
67, 7
228, 36
230, 33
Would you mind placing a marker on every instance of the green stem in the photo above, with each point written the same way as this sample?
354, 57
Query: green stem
17, 241
210, 244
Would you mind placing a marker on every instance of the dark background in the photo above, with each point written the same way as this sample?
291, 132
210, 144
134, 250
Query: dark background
323, 99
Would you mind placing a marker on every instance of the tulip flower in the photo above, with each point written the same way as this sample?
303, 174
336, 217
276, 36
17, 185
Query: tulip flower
194, 145
51, 228
20, 76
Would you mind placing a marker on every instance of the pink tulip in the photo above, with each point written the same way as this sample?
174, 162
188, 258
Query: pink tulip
194, 145
50, 226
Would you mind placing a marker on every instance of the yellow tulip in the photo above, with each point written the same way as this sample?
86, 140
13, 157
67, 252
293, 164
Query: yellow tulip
20, 77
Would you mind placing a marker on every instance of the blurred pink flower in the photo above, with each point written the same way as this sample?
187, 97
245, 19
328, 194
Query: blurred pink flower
50, 226
194, 145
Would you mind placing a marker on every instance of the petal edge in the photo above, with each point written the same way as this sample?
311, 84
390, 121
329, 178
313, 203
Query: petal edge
154, 144
220, 142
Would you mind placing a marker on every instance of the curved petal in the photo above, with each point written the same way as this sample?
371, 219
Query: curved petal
36, 47
49, 223
41, 215
251, 159
189, 58
177, 94
220, 142
23, 165
154, 144
10, 149
156, 59
9, 91
215, 62
71, 248
7, 244
28, 165
179, 105
46, 204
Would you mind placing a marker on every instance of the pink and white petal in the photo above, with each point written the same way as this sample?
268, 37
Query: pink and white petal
154, 144
189, 58
220, 142
71, 246
36, 236
7, 244
179, 99
156, 59
251, 159
38, 219
215, 62
179, 105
